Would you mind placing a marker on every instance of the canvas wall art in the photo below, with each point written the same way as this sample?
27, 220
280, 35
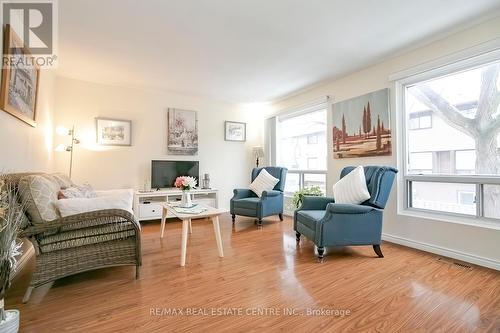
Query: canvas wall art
361, 126
182, 132
19, 82
113, 132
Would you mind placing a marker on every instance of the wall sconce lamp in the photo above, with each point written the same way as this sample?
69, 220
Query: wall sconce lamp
69, 148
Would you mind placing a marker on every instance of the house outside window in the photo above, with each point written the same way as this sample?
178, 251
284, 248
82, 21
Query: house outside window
420, 120
302, 148
452, 162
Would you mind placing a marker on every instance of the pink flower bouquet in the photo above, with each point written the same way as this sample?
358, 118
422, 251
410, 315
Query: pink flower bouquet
185, 183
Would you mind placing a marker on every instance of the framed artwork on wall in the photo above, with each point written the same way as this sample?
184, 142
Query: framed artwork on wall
19, 82
235, 131
113, 132
182, 136
361, 126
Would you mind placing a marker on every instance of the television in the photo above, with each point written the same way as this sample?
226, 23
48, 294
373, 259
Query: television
164, 173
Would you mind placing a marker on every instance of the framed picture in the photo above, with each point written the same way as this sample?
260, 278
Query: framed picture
113, 132
182, 137
235, 131
19, 83
361, 126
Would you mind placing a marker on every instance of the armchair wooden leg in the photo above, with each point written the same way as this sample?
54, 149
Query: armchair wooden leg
281, 217
378, 251
297, 236
321, 252
233, 218
137, 271
27, 294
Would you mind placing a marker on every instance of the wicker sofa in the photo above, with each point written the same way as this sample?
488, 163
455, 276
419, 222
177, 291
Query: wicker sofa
68, 245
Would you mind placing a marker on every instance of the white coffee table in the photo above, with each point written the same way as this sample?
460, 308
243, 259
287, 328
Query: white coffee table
210, 212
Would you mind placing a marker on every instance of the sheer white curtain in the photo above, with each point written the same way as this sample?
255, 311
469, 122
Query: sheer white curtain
270, 141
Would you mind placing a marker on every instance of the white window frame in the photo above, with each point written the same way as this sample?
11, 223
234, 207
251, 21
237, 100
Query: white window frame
464, 60
312, 106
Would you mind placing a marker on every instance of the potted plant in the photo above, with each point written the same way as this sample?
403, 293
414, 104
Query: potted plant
308, 190
11, 218
185, 183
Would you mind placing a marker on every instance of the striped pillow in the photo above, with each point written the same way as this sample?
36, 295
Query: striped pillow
352, 188
263, 182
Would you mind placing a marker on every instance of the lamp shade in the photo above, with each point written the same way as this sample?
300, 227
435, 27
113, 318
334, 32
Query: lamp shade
258, 151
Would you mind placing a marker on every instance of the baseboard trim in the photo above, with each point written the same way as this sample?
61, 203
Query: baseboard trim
473, 259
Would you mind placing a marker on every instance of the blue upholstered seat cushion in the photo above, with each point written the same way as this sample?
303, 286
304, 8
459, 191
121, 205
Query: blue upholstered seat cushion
249, 203
310, 217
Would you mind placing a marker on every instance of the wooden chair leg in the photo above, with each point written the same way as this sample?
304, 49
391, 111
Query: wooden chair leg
297, 236
378, 251
281, 217
233, 218
137, 271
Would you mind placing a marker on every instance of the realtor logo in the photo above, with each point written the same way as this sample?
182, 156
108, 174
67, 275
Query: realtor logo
34, 24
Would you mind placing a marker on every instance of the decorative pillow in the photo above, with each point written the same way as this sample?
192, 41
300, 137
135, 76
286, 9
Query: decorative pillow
62, 180
76, 191
40, 194
263, 182
352, 188
74, 206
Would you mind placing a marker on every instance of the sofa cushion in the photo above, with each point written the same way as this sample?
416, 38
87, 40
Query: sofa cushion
85, 236
249, 203
73, 206
39, 192
310, 217
76, 191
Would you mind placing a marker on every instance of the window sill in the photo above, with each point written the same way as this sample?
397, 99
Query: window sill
450, 218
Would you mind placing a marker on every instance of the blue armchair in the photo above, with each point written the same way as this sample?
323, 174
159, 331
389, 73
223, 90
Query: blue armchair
246, 203
327, 223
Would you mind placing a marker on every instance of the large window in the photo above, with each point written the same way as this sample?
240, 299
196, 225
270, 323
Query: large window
452, 162
302, 148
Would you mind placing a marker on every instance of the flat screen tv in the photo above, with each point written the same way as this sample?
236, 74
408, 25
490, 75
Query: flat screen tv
164, 173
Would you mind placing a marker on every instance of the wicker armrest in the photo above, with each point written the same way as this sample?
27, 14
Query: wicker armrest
104, 216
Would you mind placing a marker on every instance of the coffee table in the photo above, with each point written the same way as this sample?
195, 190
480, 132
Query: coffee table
210, 212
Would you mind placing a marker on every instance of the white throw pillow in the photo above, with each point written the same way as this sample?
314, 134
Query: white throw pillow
74, 206
351, 189
263, 182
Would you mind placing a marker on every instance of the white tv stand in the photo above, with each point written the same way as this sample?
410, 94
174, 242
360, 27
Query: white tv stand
147, 204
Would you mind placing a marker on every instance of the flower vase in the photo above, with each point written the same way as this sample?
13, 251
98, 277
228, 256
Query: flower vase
186, 200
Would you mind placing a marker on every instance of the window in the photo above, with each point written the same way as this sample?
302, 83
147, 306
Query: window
312, 139
420, 120
466, 197
452, 163
465, 161
421, 162
302, 147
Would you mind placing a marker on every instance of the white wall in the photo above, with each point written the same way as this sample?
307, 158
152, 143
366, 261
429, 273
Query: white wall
462, 241
77, 102
26, 148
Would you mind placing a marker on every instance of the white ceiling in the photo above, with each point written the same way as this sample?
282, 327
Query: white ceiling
243, 50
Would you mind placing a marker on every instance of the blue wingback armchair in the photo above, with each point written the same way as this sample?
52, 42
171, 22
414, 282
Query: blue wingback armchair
327, 223
246, 203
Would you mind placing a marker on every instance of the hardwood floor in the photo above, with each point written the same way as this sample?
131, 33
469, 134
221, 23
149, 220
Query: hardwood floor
263, 270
